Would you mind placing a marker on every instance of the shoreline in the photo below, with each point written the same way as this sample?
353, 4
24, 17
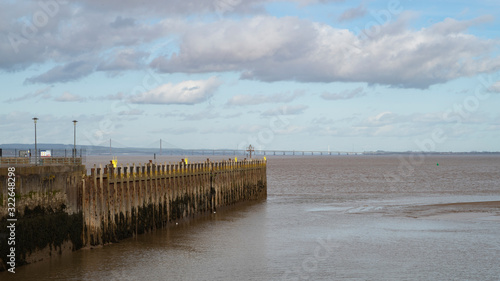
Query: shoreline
486, 210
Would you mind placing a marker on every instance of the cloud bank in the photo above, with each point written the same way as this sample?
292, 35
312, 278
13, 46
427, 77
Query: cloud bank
83, 37
186, 92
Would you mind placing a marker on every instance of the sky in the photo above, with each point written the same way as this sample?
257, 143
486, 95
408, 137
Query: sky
394, 75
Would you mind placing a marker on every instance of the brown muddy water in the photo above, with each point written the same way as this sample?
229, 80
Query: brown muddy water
326, 218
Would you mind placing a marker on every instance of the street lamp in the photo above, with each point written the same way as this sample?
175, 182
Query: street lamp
36, 149
74, 141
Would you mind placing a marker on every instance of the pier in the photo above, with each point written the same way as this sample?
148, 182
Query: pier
128, 200
59, 208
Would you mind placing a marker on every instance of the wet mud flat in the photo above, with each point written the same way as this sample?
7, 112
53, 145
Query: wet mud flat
486, 210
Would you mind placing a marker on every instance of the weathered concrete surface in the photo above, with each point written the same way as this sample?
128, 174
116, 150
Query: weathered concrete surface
44, 186
47, 210
125, 201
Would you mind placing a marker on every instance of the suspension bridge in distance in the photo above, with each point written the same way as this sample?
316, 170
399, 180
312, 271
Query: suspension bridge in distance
241, 152
87, 151
248, 151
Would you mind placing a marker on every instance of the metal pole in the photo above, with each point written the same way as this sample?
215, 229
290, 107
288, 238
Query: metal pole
74, 140
36, 149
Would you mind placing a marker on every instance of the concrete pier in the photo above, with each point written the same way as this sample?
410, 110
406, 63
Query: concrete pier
73, 210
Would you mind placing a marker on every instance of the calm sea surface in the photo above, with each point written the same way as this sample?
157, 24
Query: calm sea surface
326, 218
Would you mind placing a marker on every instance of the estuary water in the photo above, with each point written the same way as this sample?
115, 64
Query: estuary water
326, 218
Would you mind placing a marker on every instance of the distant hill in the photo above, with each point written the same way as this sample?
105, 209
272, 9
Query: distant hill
39, 145
9, 148
89, 149
104, 150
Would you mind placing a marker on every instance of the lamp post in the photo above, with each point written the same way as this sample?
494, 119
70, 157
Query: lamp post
74, 140
250, 149
36, 149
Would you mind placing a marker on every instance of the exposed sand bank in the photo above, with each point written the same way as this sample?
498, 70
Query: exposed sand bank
487, 210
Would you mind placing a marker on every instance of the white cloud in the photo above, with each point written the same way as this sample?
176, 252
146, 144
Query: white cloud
274, 49
76, 39
41, 93
117, 96
176, 131
126, 59
344, 95
73, 29
453, 26
384, 118
172, 7
261, 47
68, 97
233, 44
242, 100
131, 112
266, 48
186, 92
353, 13
286, 110
495, 87
390, 124
64, 73
202, 115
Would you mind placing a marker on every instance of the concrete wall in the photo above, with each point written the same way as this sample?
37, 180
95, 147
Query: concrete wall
44, 186
47, 212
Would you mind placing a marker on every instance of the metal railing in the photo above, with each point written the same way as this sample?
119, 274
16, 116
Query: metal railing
26, 157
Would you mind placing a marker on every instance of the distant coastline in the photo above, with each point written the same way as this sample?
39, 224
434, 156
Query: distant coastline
103, 150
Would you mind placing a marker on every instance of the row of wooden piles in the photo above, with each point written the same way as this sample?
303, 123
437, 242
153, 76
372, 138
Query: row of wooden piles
128, 200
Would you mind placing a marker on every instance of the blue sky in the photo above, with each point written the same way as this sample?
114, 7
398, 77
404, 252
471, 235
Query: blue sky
306, 74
